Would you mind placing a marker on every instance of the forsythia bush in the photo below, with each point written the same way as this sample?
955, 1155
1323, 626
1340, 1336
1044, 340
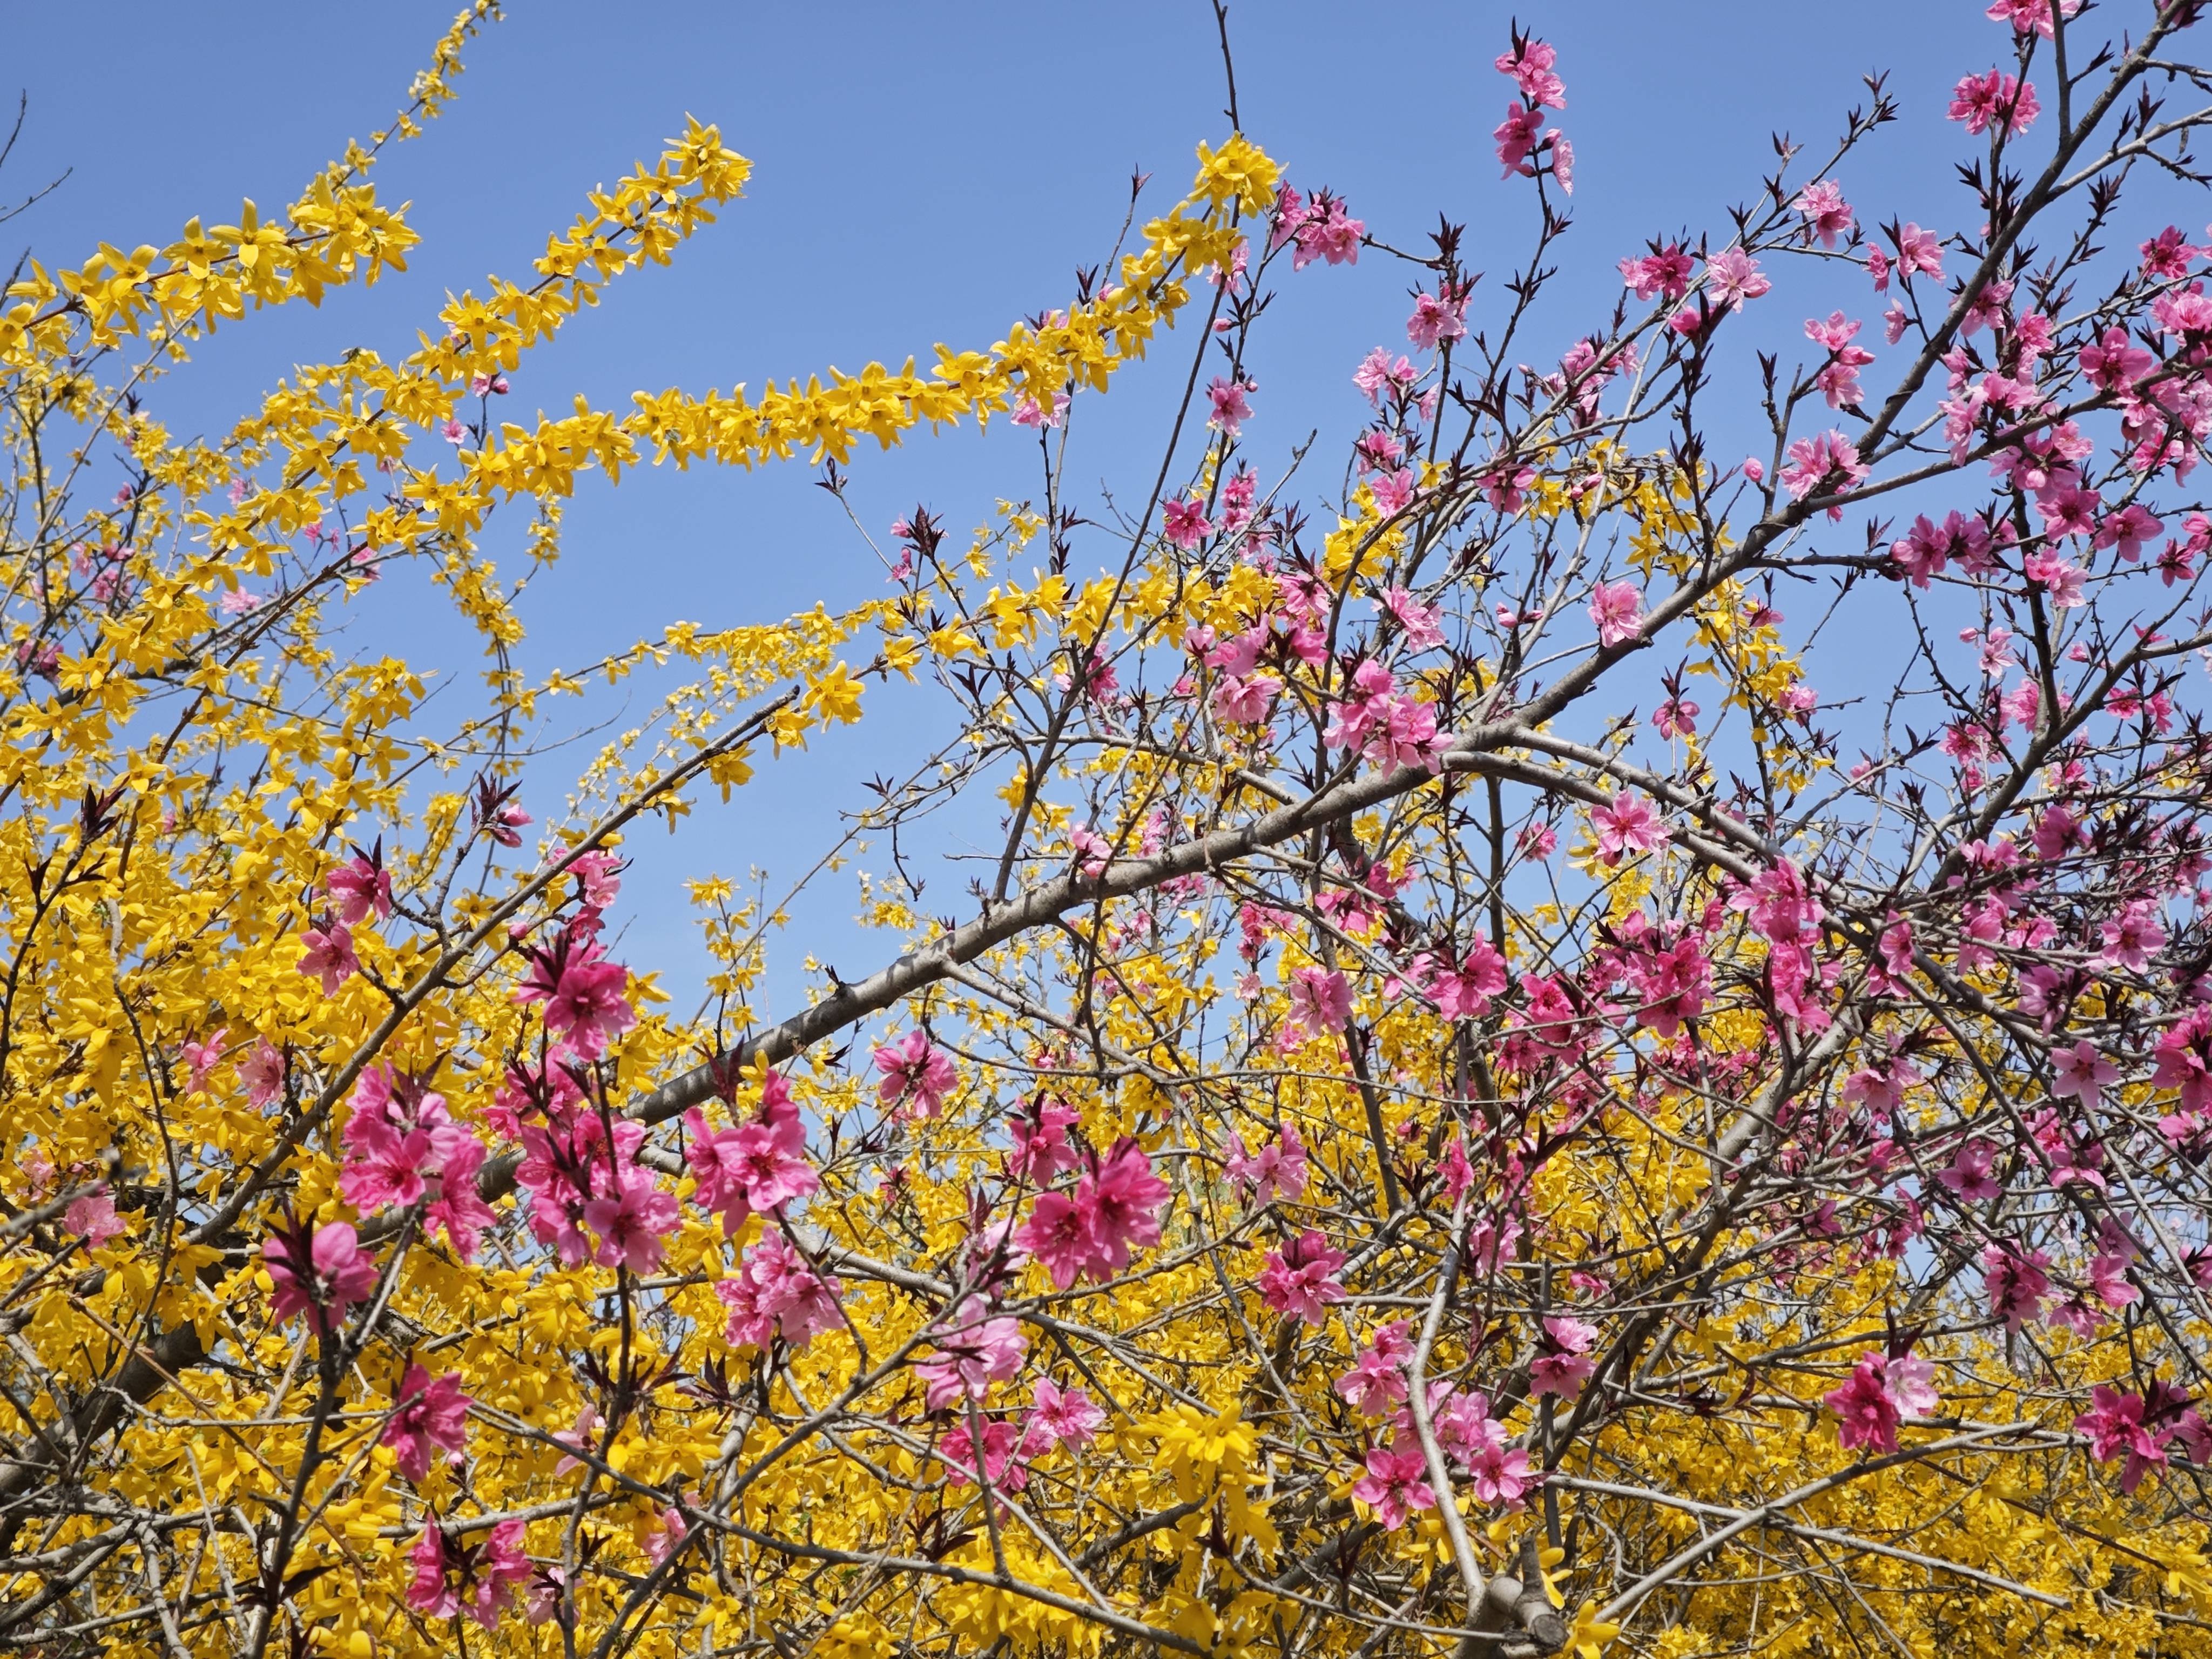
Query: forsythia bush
1468, 1110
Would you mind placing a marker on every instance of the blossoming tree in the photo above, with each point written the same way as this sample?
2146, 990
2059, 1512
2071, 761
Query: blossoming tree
1397, 1150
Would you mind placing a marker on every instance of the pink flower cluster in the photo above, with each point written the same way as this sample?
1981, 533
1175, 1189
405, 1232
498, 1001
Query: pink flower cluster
1384, 725
577, 1178
2140, 1427
586, 996
452, 1578
1115, 1207
403, 1148
320, 1274
1529, 65
775, 1292
1276, 1171
430, 1416
1319, 229
1301, 1278
756, 1168
917, 1076
1880, 1391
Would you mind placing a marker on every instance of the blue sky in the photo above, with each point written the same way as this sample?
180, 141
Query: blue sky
923, 172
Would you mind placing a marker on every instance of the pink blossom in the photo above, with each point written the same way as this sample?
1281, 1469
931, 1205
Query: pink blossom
1867, 1415
1465, 992
1880, 1392
431, 1413
1994, 99
975, 1350
1838, 378
1327, 231
1042, 1149
1393, 1485
1813, 461
202, 1056
2016, 1283
1677, 717
1030, 410
917, 1076
2028, 16
1392, 491
359, 887
1321, 998
1618, 609
1184, 522
1378, 372
2115, 361
428, 1592
2182, 1058
632, 1222
2133, 937
1564, 1364
1969, 1175
1276, 1171
1530, 65
1092, 852
1625, 825
2128, 529
1063, 1417
586, 996
1827, 215
262, 1073
2116, 1426
598, 879
1467, 1433
758, 1165
1300, 1279
1244, 700
487, 1574
1002, 1467
329, 956
2166, 256
1919, 250
1517, 135
93, 1218
1419, 620
1375, 1383
1732, 277
1231, 407
775, 1291
1663, 273
1116, 1207
320, 1274
1880, 1089
1436, 320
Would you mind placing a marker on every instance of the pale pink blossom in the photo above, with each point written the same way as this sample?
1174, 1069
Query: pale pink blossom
1618, 609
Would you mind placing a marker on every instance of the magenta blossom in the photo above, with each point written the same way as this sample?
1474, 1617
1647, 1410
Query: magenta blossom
1396, 1485
586, 996
1626, 825
329, 956
1300, 1279
432, 1414
320, 1275
917, 1076
1184, 522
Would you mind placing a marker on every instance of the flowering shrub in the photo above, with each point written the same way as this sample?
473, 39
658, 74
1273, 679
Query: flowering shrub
1399, 1151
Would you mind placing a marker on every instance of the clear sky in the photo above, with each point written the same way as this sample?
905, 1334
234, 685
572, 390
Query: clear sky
923, 172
